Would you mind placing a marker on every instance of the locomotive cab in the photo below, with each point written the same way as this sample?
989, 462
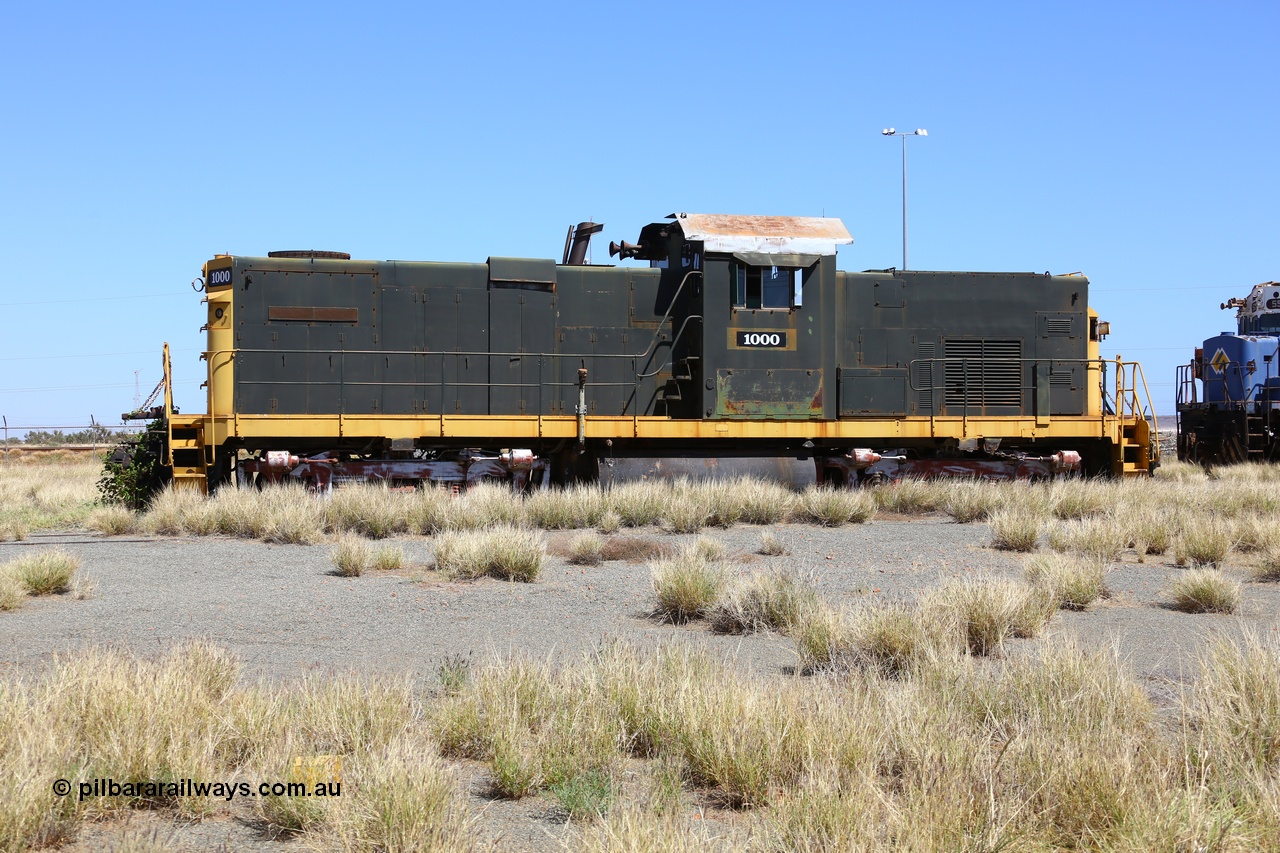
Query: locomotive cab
760, 290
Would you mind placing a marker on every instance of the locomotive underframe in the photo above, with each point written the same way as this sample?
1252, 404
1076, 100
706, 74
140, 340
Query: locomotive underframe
462, 449
1215, 434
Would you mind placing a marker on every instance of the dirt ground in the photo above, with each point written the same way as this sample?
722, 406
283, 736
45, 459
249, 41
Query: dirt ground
284, 612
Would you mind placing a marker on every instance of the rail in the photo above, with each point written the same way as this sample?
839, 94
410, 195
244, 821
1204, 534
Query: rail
1185, 382
554, 370
1128, 376
1257, 393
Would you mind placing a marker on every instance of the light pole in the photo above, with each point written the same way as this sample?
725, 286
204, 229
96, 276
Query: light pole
889, 131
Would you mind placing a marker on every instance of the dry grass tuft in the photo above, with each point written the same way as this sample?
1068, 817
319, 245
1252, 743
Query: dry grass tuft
984, 612
1101, 539
505, 552
971, 500
48, 571
587, 549
1235, 709
687, 586
761, 501
406, 800
911, 496
112, 520
351, 556
388, 558
769, 601
895, 639
171, 513
610, 522
486, 504
823, 638
1255, 533
635, 829
1079, 499
12, 591
368, 509
772, 546
1268, 565
1148, 529
1015, 529
831, 507
1174, 471
1073, 583
566, 509
705, 548
639, 504
1205, 591
285, 514
13, 530
1204, 541
919, 748
685, 512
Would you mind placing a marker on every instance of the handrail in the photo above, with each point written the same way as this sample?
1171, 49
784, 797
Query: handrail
1127, 403
676, 337
968, 362
167, 380
1146, 392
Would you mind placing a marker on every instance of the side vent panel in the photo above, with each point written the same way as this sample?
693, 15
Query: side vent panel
982, 374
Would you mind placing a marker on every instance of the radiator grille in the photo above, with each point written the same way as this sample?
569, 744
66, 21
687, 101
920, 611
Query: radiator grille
991, 376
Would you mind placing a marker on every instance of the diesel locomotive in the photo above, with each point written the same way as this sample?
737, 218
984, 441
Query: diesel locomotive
1228, 396
734, 346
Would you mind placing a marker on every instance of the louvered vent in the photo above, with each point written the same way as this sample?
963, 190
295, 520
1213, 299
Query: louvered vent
1061, 376
924, 374
1058, 327
989, 376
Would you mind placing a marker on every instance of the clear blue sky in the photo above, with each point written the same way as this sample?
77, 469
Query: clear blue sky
1135, 142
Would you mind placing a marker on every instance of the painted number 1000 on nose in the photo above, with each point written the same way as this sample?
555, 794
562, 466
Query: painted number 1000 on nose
762, 339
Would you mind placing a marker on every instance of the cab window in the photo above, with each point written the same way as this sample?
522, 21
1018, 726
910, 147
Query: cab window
764, 287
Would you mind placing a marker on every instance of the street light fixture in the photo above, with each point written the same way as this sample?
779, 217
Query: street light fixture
889, 131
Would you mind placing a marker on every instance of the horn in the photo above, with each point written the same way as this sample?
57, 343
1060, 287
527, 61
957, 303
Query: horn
624, 249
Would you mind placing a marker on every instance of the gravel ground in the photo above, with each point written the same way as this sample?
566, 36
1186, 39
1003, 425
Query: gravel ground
280, 608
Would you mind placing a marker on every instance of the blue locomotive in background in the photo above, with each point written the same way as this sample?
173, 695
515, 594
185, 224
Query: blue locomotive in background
1229, 395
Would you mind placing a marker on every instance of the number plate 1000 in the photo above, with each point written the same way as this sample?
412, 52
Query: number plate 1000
762, 339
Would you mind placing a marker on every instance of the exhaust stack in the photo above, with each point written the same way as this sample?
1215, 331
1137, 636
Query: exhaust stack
577, 241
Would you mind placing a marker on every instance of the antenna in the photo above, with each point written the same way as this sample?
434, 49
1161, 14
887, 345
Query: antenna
137, 393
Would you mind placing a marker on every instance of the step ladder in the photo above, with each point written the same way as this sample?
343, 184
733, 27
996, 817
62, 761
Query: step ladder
188, 454
682, 373
1255, 438
1137, 450
1134, 448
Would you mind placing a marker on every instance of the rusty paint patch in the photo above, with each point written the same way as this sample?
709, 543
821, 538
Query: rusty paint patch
769, 393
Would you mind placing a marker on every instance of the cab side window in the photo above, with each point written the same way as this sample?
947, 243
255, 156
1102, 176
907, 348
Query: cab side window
764, 287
